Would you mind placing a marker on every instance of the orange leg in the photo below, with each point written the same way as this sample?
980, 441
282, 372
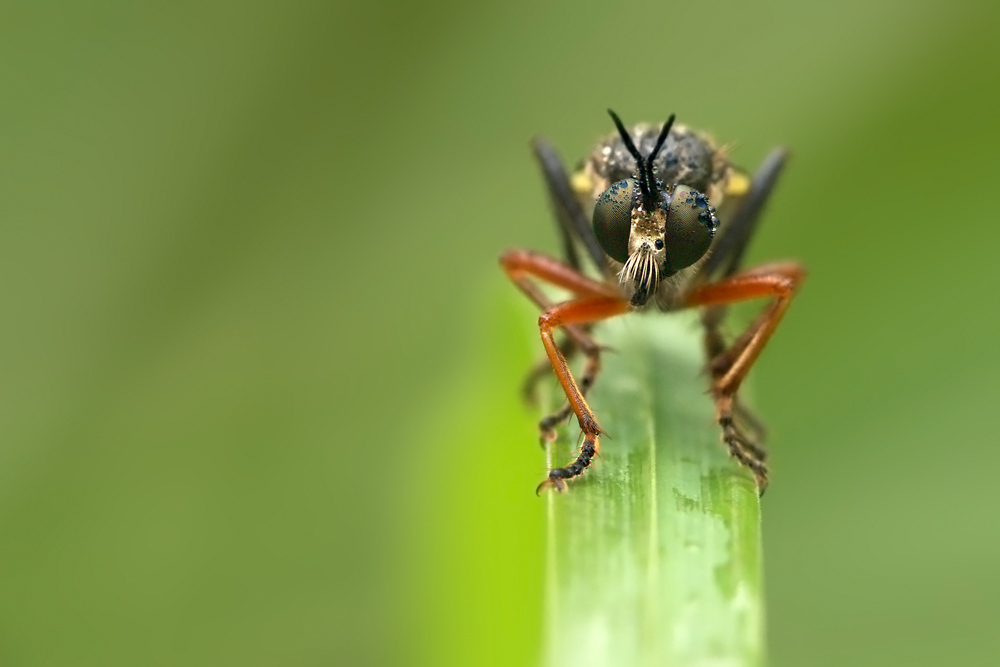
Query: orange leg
596, 301
521, 267
730, 366
576, 312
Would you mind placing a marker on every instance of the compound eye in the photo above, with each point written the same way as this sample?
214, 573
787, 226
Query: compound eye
691, 224
613, 218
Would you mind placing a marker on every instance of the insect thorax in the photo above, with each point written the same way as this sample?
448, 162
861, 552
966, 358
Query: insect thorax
687, 157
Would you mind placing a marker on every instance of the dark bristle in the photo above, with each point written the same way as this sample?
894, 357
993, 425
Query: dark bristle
649, 175
640, 162
626, 138
662, 138
644, 165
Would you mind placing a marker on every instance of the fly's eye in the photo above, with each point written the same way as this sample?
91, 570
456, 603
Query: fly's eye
613, 218
691, 224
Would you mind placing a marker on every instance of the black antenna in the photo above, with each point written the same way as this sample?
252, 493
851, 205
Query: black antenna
644, 166
659, 142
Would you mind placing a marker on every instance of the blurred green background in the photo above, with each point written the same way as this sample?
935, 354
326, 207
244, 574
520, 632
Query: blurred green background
260, 369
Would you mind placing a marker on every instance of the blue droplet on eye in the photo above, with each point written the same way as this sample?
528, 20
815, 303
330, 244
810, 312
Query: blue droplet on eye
708, 219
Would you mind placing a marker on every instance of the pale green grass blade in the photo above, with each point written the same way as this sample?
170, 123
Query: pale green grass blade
654, 557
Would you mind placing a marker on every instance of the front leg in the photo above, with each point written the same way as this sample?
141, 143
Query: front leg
729, 366
715, 347
580, 311
523, 267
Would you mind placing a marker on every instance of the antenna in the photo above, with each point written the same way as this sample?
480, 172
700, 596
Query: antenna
644, 166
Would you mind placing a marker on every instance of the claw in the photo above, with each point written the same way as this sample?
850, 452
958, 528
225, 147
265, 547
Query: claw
552, 482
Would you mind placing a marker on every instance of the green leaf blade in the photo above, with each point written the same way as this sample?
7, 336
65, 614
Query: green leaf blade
654, 557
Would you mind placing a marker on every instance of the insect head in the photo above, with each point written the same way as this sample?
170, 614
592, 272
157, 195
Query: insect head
652, 230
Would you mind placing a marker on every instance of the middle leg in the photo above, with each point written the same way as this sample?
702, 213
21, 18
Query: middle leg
576, 312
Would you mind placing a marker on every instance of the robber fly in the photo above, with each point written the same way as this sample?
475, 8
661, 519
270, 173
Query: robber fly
656, 240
